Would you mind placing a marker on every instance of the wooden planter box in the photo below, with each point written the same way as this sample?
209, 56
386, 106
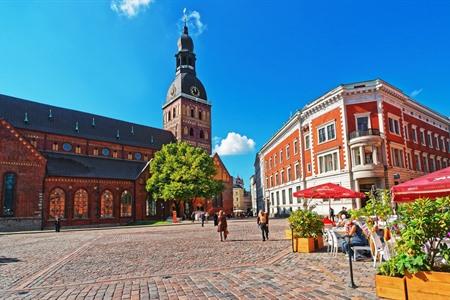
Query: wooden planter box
319, 244
428, 285
304, 245
390, 287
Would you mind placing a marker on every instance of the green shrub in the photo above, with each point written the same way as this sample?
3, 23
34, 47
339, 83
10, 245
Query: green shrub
306, 223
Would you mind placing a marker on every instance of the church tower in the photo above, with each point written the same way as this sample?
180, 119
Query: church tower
187, 112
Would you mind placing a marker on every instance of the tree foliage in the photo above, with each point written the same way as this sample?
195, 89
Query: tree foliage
181, 172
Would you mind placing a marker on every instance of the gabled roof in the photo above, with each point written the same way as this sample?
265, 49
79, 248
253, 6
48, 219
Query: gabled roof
31, 115
70, 165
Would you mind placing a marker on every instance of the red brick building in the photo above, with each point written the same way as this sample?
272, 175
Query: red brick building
360, 135
90, 169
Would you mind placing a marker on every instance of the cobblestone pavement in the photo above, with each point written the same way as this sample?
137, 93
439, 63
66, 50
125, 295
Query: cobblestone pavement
173, 262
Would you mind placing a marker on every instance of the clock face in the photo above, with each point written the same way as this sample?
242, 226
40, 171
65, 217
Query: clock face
173, 90
195, 91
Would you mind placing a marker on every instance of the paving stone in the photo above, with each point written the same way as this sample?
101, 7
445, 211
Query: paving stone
179, 262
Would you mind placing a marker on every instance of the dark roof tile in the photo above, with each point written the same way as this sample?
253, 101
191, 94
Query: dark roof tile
70, 165
52, 119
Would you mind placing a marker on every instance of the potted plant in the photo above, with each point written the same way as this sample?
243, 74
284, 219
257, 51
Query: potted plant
307, 227
423, 254
390, 282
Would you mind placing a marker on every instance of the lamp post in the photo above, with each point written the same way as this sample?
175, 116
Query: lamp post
350, 262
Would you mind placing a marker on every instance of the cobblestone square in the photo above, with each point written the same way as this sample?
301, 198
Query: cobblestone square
173, 262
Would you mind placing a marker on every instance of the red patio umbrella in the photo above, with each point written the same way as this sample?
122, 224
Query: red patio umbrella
436, 184
328, 190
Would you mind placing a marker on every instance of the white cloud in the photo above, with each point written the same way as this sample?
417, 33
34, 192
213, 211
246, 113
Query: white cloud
193, 19
416, 92
234, 144
130, 8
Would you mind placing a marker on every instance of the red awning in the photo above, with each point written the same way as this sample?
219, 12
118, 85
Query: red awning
436, 184
328, 190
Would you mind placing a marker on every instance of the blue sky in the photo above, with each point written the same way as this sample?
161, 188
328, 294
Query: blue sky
259, 60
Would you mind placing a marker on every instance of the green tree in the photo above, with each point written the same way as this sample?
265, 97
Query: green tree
180, 172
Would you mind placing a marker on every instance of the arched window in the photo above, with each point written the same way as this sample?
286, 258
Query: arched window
202, 134
57, 203
174, 112
168, 116
125, 204
80, 204
200, 115
191, 132
9, 194
106, 204
192, 113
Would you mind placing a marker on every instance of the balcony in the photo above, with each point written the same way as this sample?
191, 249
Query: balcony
360, 133
369, 136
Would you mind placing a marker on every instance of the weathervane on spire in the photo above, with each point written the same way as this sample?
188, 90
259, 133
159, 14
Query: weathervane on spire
185, 29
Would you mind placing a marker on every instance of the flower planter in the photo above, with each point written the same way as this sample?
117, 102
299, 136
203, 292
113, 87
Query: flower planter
428, 285
390, 287
304, 245
318, 243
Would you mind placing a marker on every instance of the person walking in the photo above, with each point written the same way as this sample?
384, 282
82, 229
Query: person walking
216, 219
57, 224
331, 214
222, 227
203, 217
263, 221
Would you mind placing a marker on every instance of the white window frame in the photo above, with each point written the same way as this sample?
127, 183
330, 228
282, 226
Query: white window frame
288, 155
281, 156
276, 179
271, 181
436, 141
288, 174
426, 167
415, 136
419, 165
405, 131
307, 145
335, 168
363, 115
295, 145
281, 176
275, 159
327, 139
424, 142
394, 118
270, 163
296, 167
430, 140
402, 163
308, 167
443, 144
409, 160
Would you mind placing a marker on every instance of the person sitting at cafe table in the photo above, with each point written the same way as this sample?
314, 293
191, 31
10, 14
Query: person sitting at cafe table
345, 212
357, 236
342, 221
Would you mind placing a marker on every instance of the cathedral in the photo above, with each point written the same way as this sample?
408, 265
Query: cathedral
88, 169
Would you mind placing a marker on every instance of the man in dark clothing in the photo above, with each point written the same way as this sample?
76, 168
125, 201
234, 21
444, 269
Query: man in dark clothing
216, 219
331, 214
57, 224
263, 222
203, 219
